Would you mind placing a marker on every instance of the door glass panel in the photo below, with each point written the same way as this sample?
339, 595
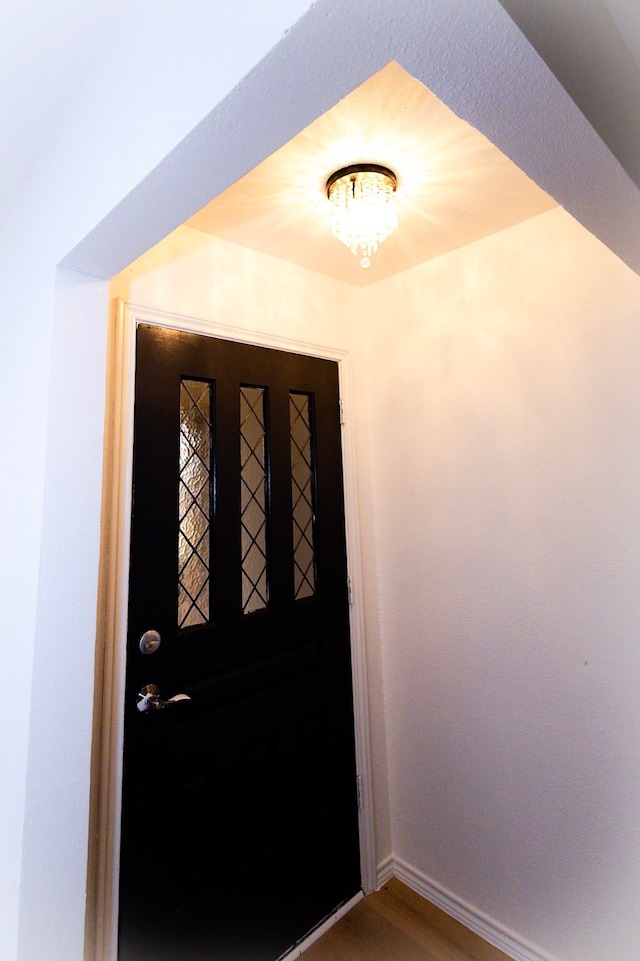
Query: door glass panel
303, 496
253, 496
194, 503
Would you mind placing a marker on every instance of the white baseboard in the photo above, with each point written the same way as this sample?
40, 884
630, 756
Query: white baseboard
385, 871
492, 931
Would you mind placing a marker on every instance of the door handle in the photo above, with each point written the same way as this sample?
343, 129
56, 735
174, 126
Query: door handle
149, 699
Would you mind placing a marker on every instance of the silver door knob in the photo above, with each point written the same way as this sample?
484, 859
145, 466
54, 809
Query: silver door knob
149, 642
149, 699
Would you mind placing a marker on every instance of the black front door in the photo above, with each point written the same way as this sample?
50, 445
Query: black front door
239, 823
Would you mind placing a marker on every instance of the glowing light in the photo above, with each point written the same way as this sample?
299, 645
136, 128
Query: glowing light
363, 207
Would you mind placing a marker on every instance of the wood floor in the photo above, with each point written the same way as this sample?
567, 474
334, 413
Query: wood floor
396, 924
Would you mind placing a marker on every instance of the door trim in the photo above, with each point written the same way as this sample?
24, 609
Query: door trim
104, 849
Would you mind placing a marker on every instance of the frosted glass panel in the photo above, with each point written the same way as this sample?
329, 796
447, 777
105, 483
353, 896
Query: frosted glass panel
194, 503
253, 495
302, 492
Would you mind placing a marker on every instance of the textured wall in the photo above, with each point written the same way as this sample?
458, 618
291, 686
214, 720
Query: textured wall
506, 470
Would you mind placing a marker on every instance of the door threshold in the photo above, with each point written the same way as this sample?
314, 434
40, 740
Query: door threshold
317, 932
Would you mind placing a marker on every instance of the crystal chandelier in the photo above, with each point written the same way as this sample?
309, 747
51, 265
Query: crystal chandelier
363, 207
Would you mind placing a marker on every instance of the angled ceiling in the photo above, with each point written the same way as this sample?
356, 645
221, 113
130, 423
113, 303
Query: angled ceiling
593, 48
50, 51
454, 186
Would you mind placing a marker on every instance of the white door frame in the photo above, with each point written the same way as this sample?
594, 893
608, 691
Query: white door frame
103, 870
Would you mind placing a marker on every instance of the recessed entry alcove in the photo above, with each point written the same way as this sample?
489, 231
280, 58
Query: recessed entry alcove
486, 374
455, 186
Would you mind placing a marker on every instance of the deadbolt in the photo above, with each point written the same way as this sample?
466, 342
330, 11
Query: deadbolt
149, 642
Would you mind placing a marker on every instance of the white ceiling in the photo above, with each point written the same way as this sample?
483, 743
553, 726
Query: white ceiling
49, 51
454, 186
593, 48
626, 16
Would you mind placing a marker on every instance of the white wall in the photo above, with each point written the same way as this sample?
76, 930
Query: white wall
62, 682
194, 274
506, 469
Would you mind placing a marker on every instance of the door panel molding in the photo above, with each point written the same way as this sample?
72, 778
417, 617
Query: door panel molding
103, 857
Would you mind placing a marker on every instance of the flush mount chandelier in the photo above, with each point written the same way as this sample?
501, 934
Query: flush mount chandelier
363, 207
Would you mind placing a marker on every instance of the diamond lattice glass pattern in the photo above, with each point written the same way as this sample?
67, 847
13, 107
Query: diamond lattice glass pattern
194, 503
253, 496
304, 566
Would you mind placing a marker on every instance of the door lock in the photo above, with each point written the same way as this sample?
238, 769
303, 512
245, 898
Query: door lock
149, 699
149, 642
